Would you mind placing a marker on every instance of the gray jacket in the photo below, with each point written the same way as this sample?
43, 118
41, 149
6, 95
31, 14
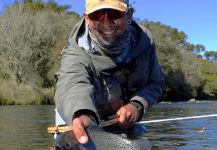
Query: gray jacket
87, 81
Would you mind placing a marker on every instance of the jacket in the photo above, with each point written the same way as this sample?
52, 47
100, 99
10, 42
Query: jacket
88, 81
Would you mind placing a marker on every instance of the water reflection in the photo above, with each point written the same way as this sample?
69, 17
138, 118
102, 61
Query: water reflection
25, 127
183, 134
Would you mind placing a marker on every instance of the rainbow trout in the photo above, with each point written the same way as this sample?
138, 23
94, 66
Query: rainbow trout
99, 139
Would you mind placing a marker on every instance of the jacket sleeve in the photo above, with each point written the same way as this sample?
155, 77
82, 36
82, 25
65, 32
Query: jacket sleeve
152, 90
74, 91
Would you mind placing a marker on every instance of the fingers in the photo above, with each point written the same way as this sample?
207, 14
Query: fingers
77, 126
130, 121
123, 118
127, 116
126, 119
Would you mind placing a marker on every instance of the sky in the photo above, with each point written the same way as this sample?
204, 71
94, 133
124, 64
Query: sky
196, 18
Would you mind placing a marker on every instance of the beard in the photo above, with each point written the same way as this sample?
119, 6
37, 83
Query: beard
107, 37
110, 41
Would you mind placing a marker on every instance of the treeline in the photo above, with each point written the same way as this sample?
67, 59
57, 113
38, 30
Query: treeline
188, 74
33, 34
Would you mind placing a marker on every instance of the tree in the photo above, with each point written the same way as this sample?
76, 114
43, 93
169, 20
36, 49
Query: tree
36, 5
179, 61
27, 42
211, 55
28, 1
30, 45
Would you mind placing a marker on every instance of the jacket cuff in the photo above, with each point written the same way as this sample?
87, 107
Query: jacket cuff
142, 101
88, 113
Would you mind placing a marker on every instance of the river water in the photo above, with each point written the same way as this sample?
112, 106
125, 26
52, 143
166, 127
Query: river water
25, 127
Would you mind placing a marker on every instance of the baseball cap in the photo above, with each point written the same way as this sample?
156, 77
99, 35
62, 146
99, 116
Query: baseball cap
94, 5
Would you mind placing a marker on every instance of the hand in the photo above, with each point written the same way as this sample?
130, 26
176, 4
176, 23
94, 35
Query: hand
78, 125
115, 104
126, 116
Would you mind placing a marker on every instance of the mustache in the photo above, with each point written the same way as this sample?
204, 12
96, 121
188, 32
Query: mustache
101, 29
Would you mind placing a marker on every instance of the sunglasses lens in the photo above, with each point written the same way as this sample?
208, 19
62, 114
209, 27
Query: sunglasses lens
115, 14
97, 16
100, 15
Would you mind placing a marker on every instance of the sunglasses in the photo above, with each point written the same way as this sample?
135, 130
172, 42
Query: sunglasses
112, 14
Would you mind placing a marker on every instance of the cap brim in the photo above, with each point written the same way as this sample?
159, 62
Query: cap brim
106, 5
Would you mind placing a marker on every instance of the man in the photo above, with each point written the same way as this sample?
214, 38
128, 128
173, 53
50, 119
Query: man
109, 70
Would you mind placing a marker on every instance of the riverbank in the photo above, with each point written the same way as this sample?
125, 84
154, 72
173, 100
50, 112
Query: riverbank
12, 93
188, 101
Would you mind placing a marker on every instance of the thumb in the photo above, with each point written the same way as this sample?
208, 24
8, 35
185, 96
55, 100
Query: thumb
80, 133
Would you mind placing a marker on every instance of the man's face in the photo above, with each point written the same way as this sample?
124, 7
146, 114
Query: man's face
108, 24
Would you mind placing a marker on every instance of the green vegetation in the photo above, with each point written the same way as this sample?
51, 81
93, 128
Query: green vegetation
33, 34
187, 74
30, 45
212, 55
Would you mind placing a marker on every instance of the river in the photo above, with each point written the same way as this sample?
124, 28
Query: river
25, 127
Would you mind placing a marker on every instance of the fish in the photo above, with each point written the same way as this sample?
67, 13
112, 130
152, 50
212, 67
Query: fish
100, 139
